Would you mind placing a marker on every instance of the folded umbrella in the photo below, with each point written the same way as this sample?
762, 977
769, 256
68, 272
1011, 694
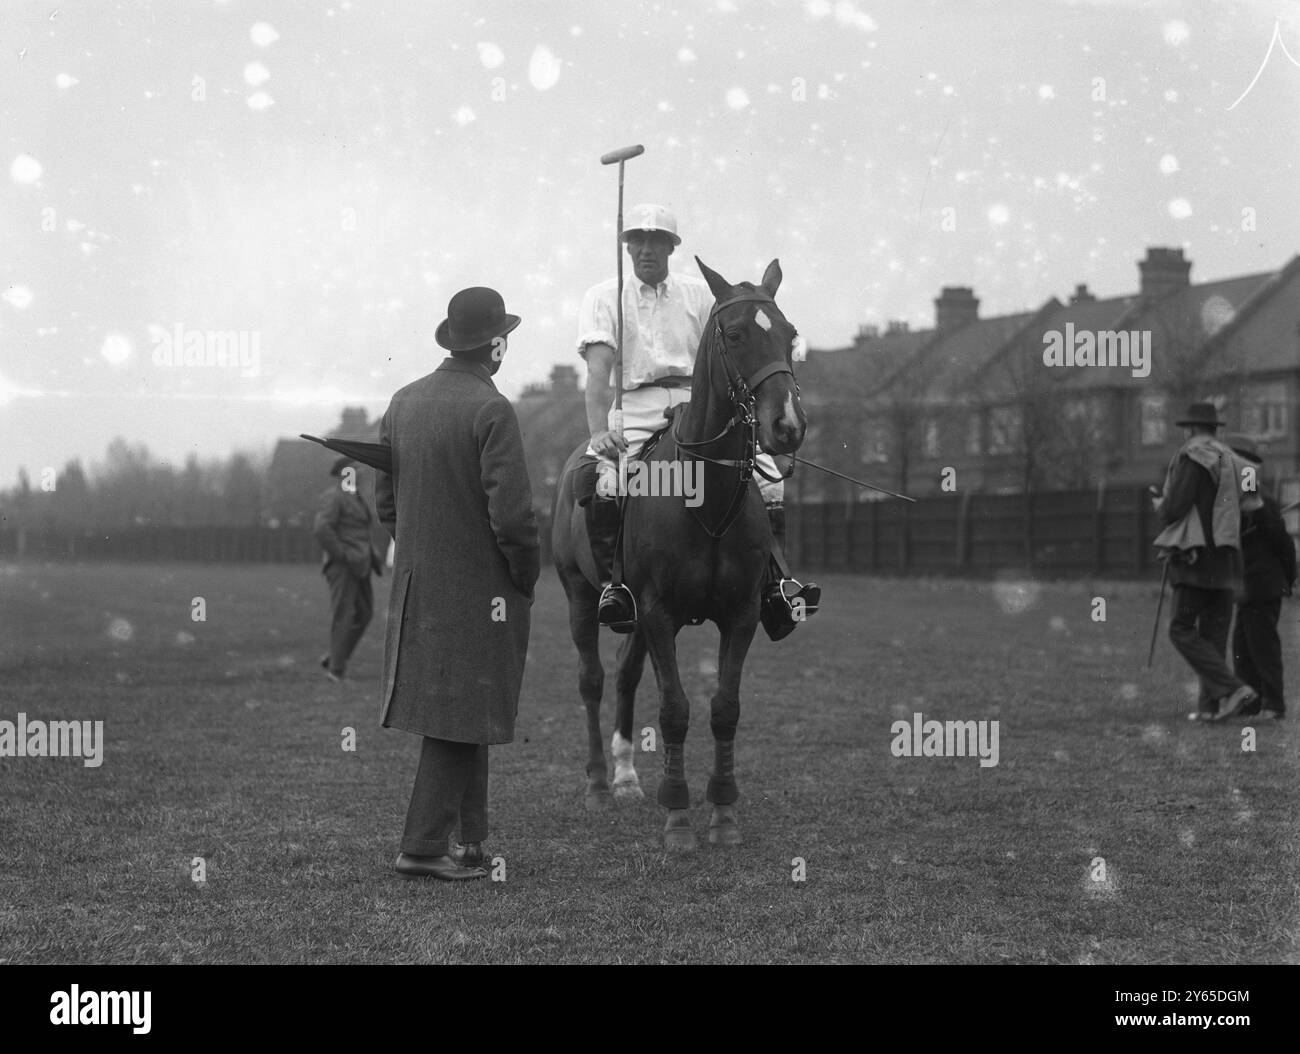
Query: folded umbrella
376, 455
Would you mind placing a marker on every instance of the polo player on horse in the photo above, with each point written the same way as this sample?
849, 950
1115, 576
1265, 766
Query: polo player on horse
664, 318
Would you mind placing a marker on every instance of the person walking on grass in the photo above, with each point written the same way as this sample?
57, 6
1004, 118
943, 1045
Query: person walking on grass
342, 528
1201, 508
1270, 574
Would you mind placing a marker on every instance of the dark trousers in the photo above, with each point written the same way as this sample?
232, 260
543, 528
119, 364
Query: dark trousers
352, 600
1199, 630
451, 787
1257, 651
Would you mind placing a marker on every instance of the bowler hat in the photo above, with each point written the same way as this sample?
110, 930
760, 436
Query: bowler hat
1201, 414
475, 317
1245, 446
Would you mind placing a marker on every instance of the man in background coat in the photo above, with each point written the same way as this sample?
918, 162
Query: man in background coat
459, 507
342, 527
1270, 574
1202, 492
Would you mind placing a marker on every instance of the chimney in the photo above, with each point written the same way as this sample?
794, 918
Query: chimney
564, 378
1082, 295
955, 307
866, 331
1163, 272
353, 422
894, 327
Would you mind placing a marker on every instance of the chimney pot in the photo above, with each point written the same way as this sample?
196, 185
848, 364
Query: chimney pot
1082, 295
1163, 271
954, 307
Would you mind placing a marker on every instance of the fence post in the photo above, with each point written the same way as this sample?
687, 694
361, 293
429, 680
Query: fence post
1028, 498
963, 530
904, 538
1099, 529
1140, 533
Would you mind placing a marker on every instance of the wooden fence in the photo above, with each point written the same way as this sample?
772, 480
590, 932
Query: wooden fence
1057, 535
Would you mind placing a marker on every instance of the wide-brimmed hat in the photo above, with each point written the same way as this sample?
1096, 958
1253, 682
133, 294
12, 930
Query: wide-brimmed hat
475, 317
1202, 414
1245, 446
651, 218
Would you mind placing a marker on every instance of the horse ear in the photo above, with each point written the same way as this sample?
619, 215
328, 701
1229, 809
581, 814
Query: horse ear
772, 279
719, 286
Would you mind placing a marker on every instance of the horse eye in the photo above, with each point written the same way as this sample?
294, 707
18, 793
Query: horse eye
798, 349
735, 334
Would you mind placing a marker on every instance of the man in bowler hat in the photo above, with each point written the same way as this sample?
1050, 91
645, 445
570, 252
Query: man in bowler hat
1201, 507
342, 527
459, 507
1270, 574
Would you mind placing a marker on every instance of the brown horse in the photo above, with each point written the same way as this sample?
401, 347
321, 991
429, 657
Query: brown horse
685, 563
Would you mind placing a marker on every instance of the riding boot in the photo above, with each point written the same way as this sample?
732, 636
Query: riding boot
786, 601
617, 608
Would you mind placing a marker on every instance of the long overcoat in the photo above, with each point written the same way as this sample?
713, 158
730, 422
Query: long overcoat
459, 507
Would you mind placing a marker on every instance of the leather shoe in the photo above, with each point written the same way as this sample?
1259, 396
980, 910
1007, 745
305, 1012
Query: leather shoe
617, 608
1239, 700
469, 855
440, 867
777, 611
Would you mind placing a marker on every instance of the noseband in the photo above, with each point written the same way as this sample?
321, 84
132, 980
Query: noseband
741, 394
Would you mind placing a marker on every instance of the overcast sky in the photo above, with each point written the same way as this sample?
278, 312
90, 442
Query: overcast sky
321, 178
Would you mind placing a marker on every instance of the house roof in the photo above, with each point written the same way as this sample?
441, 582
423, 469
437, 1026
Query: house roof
858, 371
1236, 322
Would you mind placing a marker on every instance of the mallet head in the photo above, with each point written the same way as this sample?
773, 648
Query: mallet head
625, 154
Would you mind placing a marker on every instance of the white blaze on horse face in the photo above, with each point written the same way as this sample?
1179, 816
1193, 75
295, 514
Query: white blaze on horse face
764, 323
788, 410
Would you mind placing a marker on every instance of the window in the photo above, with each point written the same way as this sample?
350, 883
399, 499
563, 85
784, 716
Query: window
1087, 419
930, 439
875, 449
1264, 410
1004, 429
973, 434
1152, 426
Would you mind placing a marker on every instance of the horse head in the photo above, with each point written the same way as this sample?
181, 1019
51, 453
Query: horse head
756, 345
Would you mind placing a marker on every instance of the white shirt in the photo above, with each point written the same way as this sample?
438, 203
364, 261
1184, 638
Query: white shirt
661, 325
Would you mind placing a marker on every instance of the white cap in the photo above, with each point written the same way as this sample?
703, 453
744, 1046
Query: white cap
648, 217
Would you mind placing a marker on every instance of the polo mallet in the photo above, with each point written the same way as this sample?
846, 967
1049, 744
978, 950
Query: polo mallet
1164, 577
625, 154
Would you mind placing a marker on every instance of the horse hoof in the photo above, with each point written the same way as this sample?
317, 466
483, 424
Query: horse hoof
723, 828
598, 800
677, 831
628, 790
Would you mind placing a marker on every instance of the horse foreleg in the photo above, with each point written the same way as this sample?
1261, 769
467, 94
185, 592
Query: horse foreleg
585, 631
722, 792
674, 718
631, 664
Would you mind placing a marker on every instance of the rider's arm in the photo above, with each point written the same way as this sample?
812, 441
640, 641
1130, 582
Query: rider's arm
600, 393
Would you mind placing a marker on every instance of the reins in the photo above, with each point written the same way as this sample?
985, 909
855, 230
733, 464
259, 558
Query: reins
740, 393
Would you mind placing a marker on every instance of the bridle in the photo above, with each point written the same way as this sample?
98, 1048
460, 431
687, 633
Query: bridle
741, 394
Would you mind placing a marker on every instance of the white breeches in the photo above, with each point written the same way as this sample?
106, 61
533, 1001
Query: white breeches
643, 415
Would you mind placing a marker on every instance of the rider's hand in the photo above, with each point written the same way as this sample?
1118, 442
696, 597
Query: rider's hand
609, 443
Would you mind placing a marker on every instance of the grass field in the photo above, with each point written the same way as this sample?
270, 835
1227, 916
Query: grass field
224, 741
